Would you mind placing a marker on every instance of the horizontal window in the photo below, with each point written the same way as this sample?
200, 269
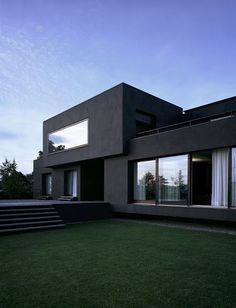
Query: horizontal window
69, 137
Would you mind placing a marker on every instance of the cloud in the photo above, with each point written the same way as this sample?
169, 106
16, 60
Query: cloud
39, 28
6, 135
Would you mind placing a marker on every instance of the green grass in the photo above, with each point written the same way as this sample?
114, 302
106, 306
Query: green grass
117, 264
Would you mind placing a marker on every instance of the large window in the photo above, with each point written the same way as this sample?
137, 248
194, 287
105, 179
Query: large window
234, 177
145, 181
208, 179
69, 137
173, 179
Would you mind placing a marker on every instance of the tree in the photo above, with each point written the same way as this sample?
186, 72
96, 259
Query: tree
179, 179
14, 184
150, 185
40, 154
179, 182
162, 180
53, 148
7, 169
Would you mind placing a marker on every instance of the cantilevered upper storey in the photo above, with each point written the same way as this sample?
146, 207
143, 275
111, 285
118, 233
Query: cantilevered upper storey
102, 126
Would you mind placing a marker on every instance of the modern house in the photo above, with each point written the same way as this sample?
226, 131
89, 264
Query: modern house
143, 155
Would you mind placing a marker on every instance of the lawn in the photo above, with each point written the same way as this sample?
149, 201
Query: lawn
117, 264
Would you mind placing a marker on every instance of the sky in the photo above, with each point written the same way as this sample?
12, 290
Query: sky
55, 54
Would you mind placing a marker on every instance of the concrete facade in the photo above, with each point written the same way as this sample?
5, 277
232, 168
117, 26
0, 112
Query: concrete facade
105, 166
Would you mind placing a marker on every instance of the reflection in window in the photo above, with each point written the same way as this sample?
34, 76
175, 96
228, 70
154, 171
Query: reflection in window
69, 137
234, 177
145, 180
173, 179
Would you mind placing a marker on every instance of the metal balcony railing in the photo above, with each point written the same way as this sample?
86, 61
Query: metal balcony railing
215, 117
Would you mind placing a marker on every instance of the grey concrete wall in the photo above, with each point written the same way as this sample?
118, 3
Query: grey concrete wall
72, 213
105, 131
135, 99
205, 136
207, 213
116, 180
222, 106
58, 181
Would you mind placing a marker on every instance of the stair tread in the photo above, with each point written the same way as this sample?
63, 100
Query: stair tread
32, 223
26, 209
29, 218
23, 214
32, 228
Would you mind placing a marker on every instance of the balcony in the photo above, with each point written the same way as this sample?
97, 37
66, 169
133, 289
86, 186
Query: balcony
189, 123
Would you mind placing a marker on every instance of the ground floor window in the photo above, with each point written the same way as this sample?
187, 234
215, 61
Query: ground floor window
233, 177
70, 183
145, 180
173, 179
200, 178
47, 184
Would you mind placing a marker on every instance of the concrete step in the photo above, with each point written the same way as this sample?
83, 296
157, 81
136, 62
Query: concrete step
8, 220
10, 209
28, 214
14, 218
21, 224
25, 229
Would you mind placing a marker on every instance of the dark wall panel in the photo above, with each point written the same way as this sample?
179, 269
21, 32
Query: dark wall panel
222, 106
105, 127
116, 180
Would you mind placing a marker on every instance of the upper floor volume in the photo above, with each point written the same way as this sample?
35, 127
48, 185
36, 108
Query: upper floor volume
103, 125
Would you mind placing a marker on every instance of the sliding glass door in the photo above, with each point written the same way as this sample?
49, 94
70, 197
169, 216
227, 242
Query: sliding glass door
201, 178
173, 180
145, 181
168, 180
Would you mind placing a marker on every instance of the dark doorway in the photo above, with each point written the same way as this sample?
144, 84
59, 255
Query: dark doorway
92, 180
201, 178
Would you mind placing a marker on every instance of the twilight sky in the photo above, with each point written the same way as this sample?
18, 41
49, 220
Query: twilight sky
55, 54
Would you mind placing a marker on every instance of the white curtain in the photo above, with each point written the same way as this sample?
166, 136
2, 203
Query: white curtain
234, 177
142, 190
49, 184
220, 160
74, 183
